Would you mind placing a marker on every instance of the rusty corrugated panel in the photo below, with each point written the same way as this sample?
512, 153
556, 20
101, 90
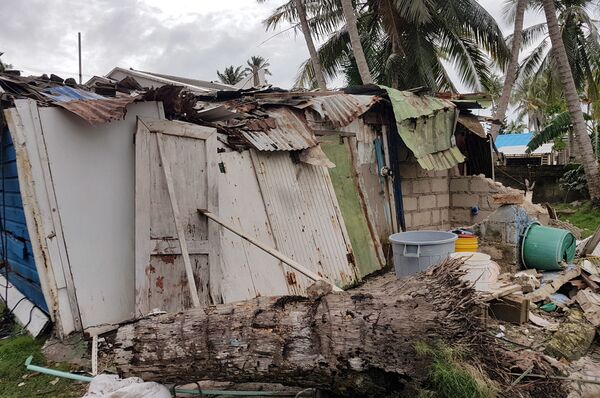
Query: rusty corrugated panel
342, 109
471, 123
305, 219
289, 132
91, 107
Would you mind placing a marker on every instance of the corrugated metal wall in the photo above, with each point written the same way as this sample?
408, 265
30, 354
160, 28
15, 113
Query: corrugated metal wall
15, 237
305, 218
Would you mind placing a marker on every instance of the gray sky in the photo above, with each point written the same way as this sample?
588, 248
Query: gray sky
191, 38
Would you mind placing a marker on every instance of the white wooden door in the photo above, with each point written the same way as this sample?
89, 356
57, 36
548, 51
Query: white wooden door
175, 176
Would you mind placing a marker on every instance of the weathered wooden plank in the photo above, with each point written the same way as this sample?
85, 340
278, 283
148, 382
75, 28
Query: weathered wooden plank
142, 217
178, 221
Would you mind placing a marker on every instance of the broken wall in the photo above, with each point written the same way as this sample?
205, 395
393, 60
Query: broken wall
471, 198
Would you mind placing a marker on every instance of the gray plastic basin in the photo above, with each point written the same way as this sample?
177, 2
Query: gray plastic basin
416, 251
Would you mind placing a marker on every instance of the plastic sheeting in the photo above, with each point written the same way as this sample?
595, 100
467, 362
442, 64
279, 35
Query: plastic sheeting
110, 386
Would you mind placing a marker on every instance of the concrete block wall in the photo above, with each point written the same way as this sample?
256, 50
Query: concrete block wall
471, 192
426, 197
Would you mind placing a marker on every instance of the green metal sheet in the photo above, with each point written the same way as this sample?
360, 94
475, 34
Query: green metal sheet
426, 125
347, 194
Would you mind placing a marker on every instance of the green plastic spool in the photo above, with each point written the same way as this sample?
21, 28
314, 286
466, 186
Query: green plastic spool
545, 248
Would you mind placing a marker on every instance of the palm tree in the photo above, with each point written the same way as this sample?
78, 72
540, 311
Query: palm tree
513, 66
515, 127
406, 43
531, 101
231, 75
574, 105
357, 49
255, 64
312, 50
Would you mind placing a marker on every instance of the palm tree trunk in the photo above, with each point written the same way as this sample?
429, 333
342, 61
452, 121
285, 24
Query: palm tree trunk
357, 49
255, 77
314, 56
579, 127
511, 72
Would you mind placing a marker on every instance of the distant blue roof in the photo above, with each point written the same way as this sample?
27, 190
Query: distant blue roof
66, 94
505, 140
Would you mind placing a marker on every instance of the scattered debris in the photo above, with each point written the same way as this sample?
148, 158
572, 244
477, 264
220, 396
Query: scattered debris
573, 338
543, 322
590, 304
552, 281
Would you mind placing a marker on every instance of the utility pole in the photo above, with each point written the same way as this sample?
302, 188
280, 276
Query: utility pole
79, 46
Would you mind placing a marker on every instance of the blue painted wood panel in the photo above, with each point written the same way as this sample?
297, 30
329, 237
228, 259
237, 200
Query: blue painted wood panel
15, 245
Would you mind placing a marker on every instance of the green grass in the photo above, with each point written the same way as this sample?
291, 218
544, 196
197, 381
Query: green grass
13, 352
586, 217
450, 377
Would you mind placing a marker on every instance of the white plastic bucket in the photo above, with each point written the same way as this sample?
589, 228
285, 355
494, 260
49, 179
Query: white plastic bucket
482, 272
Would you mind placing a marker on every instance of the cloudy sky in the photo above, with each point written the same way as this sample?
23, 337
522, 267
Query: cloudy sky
191, 38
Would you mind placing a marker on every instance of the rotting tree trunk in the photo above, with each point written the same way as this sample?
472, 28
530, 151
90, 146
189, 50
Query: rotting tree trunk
355, 343
357, 48
314, 56
513, 66
582, 138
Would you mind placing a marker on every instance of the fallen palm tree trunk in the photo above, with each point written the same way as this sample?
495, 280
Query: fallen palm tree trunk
356, 343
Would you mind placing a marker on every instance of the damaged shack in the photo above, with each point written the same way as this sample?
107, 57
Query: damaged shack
102, 192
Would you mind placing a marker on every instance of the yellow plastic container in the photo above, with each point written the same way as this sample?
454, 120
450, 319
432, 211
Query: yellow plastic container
467, 244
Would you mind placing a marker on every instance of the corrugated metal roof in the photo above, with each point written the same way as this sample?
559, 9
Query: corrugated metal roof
91, 107
521, 150
472, 123
426, 125
290, 133
341, 109
504, 140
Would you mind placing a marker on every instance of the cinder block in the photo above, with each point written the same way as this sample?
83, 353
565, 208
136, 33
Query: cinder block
485, 203
464, 200
408, 220
440, 185
482, 185
443, 200
460, 217
435, 217
422, 185
445, 215
427, 202
407, 187
422, 218
459, 184
410, 203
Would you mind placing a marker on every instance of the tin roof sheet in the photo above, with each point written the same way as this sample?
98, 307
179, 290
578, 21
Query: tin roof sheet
289, 133
90, 106
341, 109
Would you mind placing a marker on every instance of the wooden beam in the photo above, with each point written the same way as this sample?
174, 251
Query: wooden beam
178, 225
275, 253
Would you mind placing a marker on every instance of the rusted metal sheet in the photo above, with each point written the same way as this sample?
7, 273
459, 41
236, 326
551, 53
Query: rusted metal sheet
472, 123
288, 133
341, 109
91, 107
306, 220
